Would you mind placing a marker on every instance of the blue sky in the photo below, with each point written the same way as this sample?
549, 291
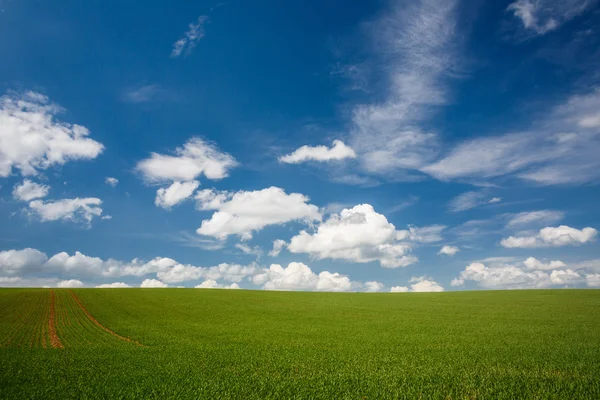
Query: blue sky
383, 146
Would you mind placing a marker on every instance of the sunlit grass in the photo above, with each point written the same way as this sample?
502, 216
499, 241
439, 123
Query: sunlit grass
254, 344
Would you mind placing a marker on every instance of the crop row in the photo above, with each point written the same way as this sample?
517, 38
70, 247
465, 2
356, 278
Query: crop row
50, 318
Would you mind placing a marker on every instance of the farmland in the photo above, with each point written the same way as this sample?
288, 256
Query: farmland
189, 343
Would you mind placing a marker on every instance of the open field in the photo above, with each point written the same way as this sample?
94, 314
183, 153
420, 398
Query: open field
190, 343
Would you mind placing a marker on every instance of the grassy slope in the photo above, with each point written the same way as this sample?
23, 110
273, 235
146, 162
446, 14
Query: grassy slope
252, 344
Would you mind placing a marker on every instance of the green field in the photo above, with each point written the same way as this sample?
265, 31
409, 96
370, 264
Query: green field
190, 343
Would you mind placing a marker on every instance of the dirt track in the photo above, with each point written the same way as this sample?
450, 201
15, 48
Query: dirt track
97, 323
54, 339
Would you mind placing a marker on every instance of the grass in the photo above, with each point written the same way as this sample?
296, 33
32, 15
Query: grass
254, 344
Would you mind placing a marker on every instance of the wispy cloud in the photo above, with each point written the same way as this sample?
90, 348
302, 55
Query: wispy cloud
542, 16
141, 94
469, 200
417, 47
529, 218
411, 201
191, 38
561, 148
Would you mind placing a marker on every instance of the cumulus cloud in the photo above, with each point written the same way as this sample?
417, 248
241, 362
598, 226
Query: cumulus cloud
543, 217
242, 213
84, 209
113, 285
191, 38
278, 245
175, 194
298, 276
29, 190
71, 283
593, 280
166, 269
373, 286
111, 181
338, 151
32, 140
543, 16
15, 261
448, 250
359, 234
424, 284
532, 263
419, 284
153, 283
552, 237
514, 277
212, 284
196, 157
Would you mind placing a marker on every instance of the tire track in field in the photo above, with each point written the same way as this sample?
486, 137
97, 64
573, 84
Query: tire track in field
98, 324
54, 339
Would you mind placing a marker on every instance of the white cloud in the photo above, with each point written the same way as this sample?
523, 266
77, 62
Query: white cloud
543, 217
241, 213
419, 284
113, 285
298, 276
545, 155
487, 157
175, 194
278, 245
425, 284
534, 264
71, 283
166, 269
565, 277
468, 200
212, 284
536, 275
153, 283
141, 94
457, 282
31, 139
191, 38
373, 286
543, 16
14, 261
111, 181
552, 237
67, 209
508, 276
195, 158
359, 234
593, 280
426, 234
416, 45
495, 200
448, 250
338, 151
29, 190
255, 251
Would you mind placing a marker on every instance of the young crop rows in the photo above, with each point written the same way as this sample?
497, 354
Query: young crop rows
52, 318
